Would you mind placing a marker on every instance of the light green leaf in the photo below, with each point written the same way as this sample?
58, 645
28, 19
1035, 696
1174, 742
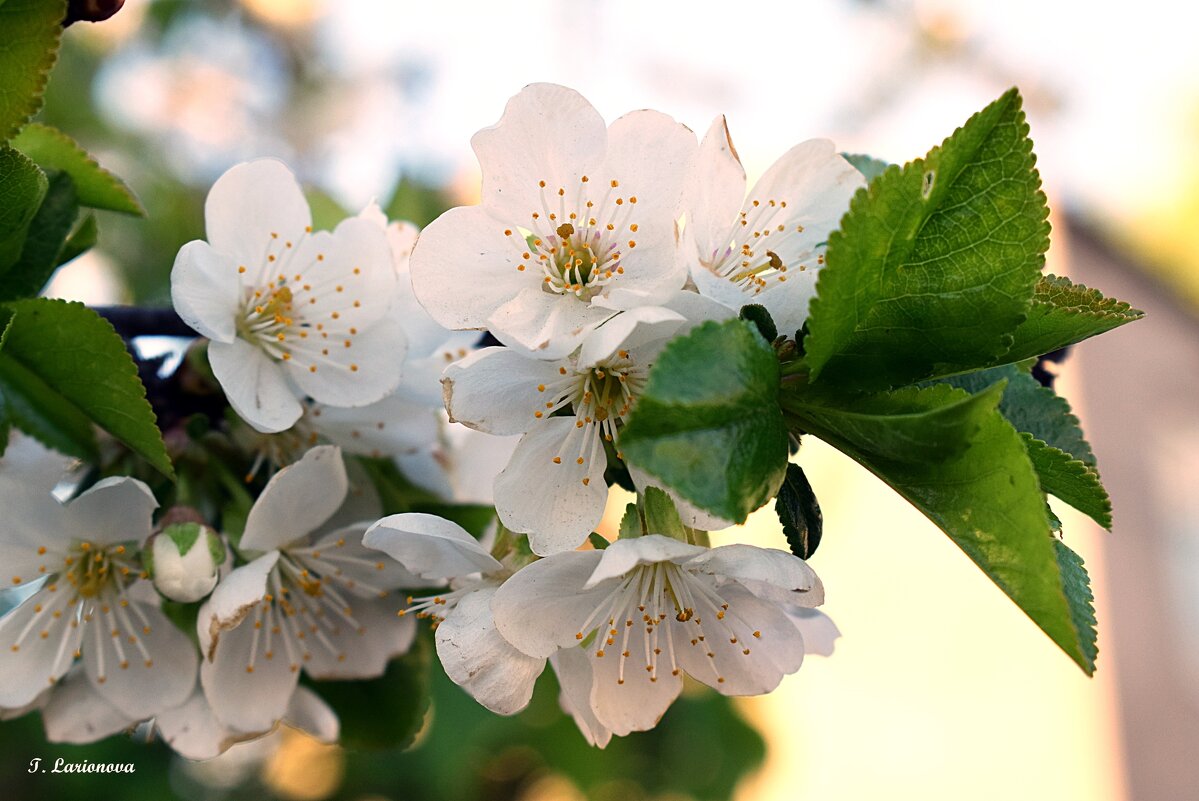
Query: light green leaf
869, 166
935, 263
660, 515
22, 187
28, 48
98, 188
44, 241
387, 712
1063, 313
799, 513
1071, 480
630, 522
708, 424
78, 355
982, 490
1077, 585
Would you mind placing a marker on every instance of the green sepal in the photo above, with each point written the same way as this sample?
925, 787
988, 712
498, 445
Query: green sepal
631, 523
760, 317
799, 513
597, 541
660, 515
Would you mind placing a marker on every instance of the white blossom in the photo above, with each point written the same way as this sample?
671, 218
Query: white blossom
765, 247
291, 313
577, 221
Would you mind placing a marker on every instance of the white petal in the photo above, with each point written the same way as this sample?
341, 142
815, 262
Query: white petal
647, 322
475, 460
205, 290
496, 390
430, 546
547, 133
650, 154
233, 599
775, 652
362, 652
724, 291
309, 713
715, 193
573, 667
464, 267
351, 376
33, 519
482, 662
250, 202
769, 573
819, 631
297, 500
639, 702
623, 555
140, 681
113, 510
543, 324
255, 386
385, 428
30, 662
192, 729
27, 461
549, 501
76, 713
788, 302
359, 258
341, 558
428, 468
249, 692
543, 606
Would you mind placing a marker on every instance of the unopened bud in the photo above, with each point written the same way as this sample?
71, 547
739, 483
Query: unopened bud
183, 561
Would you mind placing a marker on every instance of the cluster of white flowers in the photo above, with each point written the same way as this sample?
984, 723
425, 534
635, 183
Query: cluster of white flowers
592, 248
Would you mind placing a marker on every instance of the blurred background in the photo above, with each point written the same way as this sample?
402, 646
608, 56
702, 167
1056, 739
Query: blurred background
939, 687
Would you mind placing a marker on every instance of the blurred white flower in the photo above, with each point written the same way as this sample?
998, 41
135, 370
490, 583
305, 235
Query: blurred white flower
625, 623
322, 606
578, 221
766, 247
290, 313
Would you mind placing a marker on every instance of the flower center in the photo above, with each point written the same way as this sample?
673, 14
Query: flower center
654, 613
763, 248
600, 397
91, 570
577, 243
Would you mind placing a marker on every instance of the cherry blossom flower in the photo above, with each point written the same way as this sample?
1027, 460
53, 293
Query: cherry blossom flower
318, 605
290, 312
765, 247
626, 622
553, 488
577, 221
471, 651
93, 602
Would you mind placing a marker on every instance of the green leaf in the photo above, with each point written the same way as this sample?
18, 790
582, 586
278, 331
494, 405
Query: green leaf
867, 165
44, 241
475, 518
22, 187
98, 188
708, 423
630, 522
28, 48
981, 490
799, 513
595, 538
1077, 585
760, 317
78, 355
81, 240
1071, 480
1063, 313
935, 263
42, 413
660, 515
386, 712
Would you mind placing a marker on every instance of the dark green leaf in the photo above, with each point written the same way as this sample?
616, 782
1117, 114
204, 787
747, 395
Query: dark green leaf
22, 187
981, 490
1075, 482
1077, 586
41, 412
28, 48
708, 424
760, 317
51, 149
660, 515
44, 241
799, 512
1063, 313
386, 712
78, 355
81, 240
935, 264
595, 538
867, 165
